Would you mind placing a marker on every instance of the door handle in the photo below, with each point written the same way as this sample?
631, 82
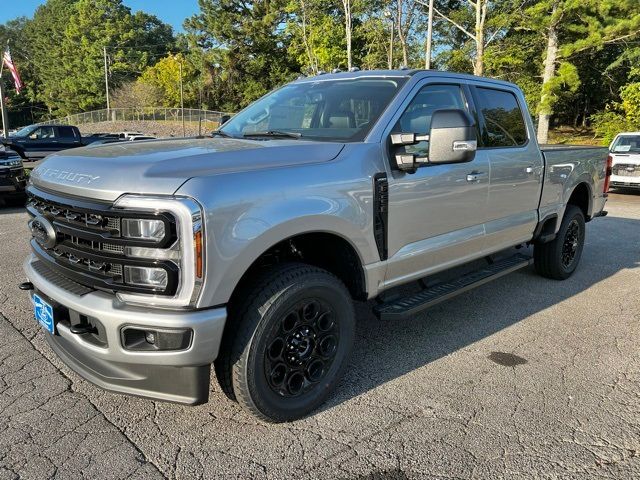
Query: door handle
475, 176
529, 170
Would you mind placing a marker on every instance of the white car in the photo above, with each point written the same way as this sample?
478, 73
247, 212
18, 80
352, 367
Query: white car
134, 138
128, 135
625, 151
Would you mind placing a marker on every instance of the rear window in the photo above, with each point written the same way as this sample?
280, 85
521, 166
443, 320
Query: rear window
503, 121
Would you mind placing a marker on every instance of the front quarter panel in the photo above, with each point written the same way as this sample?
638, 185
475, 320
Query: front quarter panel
246, 213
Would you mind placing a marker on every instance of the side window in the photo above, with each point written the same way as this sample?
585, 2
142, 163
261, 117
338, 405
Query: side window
503, 121
66, 132
417, 117
42, 133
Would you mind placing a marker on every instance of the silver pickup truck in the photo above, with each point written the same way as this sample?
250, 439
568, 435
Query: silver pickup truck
152, 261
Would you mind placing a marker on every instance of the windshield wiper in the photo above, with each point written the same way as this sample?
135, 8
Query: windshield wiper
273, 133
221, 134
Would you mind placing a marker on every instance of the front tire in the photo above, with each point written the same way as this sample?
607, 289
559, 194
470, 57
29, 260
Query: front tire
559, 258
293, 333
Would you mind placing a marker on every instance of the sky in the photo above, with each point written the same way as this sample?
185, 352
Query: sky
170, 11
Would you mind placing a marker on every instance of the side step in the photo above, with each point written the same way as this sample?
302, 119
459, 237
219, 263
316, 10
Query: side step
408, 306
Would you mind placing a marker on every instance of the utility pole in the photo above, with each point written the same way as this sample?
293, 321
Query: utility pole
202, 67
106, 82
389, 15
427, 60
184, 133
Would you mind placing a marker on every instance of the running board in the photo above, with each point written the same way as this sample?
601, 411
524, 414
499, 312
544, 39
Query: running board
408, 306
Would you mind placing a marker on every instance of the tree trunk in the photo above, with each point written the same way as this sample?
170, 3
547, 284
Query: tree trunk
478, 68
585, 113
347, 28
549, 72
313, 64
401, 34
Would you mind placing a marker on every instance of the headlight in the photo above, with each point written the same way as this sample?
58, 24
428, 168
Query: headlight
146, 277
143, 229
187, 252
11, 163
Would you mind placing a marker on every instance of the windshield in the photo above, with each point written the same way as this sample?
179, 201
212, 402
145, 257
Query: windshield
343, 110
626, 144
24, 132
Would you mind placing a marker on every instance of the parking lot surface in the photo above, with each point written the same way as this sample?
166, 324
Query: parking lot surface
523, 377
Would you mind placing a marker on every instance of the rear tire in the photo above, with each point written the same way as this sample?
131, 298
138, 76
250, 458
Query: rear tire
292, 334
559, 258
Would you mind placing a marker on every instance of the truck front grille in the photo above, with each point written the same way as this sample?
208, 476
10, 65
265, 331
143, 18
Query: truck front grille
89, 247
626, 170
75, 216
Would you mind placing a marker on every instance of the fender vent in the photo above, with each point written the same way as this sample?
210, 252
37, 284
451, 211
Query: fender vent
380, 212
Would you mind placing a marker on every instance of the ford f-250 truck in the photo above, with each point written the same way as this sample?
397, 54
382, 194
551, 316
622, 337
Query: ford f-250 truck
35, 142
625, 154
153, 261
12, 177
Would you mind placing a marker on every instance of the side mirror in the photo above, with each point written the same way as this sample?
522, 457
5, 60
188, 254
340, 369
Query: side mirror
452, 138
224, 119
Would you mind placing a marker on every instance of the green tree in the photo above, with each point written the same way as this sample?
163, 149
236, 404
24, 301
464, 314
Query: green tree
164, 78
67, 42
45, 34
316, 33
252, 43
571, 27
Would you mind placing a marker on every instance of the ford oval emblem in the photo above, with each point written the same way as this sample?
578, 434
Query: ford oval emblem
44, 233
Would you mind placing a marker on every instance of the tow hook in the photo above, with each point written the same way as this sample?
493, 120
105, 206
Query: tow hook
26, 286
82, 328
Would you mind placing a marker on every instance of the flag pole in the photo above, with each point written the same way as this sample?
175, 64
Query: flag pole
3, 107
5, 117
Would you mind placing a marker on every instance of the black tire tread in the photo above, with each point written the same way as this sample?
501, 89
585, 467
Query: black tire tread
261, 294
546, 255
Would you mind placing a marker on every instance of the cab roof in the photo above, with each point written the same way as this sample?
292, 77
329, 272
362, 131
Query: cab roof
397, 74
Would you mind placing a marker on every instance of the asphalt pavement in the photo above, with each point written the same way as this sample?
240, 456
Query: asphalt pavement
523, 377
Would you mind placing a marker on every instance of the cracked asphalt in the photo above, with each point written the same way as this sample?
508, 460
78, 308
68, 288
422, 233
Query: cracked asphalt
521, 378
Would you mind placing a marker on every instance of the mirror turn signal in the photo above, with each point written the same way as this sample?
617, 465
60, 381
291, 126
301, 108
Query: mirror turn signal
408, 138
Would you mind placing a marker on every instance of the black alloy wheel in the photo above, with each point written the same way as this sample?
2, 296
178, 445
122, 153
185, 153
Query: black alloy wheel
301, 348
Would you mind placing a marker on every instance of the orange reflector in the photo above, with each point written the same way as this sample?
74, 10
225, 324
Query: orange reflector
197, 238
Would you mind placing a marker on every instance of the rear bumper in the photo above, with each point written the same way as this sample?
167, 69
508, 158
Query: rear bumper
172, 375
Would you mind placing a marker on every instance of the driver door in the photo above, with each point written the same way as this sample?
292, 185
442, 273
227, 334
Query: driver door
437, 214
41, 142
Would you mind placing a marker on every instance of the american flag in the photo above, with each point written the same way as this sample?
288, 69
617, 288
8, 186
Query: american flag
8, 61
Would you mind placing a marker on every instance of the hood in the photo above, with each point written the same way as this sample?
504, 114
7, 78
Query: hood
105, 172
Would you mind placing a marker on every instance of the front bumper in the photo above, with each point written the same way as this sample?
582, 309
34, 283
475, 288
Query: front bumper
624, 181
12, 181
177, 375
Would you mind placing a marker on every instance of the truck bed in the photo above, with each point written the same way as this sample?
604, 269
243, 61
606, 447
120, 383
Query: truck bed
565, 167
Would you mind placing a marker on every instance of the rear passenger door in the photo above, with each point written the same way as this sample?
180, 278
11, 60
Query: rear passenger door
67, 137
516, 166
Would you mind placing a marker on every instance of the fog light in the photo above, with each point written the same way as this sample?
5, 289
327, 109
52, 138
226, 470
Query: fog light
141, 339
146, 276
143, 229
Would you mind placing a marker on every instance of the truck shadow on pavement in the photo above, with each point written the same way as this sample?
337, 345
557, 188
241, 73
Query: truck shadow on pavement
11, 209
386, 350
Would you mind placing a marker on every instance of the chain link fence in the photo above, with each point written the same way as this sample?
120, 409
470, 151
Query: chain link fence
155, 114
